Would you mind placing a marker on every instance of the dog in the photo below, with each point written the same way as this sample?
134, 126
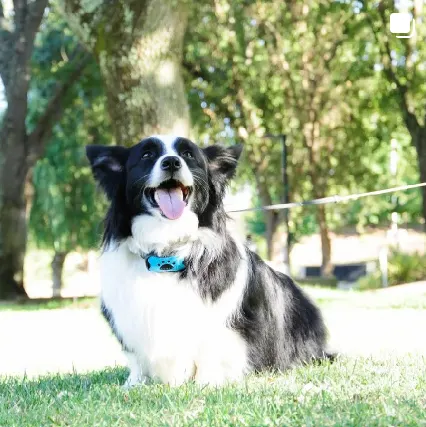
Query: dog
186, 300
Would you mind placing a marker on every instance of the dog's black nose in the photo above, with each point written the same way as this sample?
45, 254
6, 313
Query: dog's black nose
171, 163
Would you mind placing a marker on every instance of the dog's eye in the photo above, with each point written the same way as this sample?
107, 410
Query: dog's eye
147, 154
188, 154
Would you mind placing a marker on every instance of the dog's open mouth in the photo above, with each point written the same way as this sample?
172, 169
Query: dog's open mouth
170, 197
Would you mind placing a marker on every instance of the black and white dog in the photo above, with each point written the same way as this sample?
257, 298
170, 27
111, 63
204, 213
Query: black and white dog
185, 298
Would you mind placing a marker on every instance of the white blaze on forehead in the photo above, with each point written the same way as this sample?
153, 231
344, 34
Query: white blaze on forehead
168, 143
184, 175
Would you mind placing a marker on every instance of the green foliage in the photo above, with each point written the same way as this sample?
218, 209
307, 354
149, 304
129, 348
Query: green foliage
405, 268
66, 213
51, 304
302, 221
401, 59
307, 70
371, 281
324, 282
402, 268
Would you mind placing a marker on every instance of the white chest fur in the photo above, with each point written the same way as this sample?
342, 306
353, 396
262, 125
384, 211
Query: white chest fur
174, 335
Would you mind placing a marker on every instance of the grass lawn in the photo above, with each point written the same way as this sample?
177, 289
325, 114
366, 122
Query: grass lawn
350, 392
354, 391
49, 304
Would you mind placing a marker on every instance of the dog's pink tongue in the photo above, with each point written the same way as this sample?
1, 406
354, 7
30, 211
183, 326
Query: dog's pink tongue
170, 201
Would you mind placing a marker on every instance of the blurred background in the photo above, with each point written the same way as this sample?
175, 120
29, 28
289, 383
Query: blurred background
324, 97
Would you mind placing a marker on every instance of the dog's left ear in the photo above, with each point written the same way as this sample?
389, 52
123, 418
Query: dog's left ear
108, 166
223, 160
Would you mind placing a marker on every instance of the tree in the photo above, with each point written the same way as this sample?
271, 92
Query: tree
402, 61
264, 69
138, 45
65, 214
19, 148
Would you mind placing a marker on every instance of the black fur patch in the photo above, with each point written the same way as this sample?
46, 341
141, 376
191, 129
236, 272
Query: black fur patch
280, 324
109, 318
217, 275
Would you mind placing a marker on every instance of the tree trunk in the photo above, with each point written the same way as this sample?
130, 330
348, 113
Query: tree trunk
419, 141
57, 269
139, 49
272, 236
272, 221
19, 150
15, 52
326, 265
13, 172
12, 242
422, 168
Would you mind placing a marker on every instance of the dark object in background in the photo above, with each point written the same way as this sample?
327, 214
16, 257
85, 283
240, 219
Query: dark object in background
342, 272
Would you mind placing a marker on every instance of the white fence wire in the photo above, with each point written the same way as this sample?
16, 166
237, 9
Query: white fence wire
330, 199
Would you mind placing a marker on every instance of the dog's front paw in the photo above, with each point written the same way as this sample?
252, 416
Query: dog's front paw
173, 372
215, 377
133, 381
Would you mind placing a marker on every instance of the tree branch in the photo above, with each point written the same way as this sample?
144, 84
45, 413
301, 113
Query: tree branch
39, 137
332, 52
402, 89
19, 41
34, 16
32, 20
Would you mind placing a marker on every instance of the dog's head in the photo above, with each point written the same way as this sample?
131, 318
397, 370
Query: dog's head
164, 183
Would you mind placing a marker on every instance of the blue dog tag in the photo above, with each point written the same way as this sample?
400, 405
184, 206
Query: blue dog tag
165, 264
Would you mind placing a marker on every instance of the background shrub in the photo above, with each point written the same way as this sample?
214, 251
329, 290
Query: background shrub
402, 268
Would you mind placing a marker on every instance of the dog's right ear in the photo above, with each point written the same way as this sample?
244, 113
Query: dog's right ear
108, 166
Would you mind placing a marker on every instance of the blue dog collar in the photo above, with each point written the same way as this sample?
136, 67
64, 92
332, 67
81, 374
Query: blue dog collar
165, 264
